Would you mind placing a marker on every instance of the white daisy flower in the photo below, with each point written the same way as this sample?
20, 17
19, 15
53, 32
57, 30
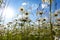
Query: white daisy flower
22, 9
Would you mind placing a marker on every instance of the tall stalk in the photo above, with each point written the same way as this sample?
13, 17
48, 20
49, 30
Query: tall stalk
51, 22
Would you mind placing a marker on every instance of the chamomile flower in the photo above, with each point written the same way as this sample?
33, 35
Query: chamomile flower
47, 1
39, 12
1, 1
55, 14
22, 9
58, 19
44, 19
27, 13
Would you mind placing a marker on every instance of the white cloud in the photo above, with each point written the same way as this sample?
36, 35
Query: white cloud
44, 6
24, 3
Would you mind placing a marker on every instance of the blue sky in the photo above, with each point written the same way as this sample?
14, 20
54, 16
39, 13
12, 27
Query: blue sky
16, 4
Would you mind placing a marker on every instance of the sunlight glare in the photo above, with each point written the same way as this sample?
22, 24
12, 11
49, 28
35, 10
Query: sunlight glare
8, 12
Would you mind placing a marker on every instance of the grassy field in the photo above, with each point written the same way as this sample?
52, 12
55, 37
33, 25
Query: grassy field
28, 33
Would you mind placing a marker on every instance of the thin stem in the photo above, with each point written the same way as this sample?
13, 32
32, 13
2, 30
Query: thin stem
51, 22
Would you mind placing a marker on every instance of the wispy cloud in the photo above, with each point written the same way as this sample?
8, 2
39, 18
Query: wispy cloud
33, 6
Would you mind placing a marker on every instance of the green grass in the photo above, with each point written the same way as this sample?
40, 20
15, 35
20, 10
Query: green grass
26, 34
